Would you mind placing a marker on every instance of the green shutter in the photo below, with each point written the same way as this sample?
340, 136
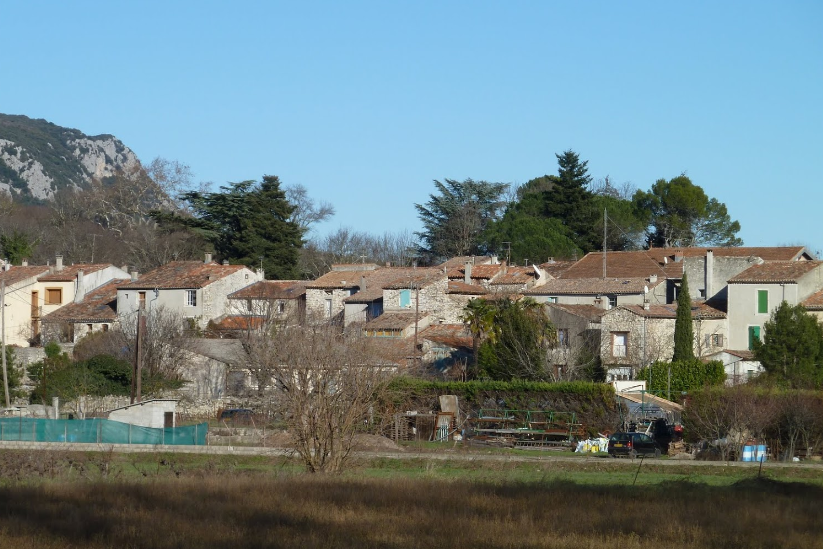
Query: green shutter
754, 333
763, 301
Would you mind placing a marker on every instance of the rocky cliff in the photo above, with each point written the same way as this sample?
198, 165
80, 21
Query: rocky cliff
38, 158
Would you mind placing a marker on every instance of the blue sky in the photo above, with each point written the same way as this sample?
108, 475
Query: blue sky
365, 103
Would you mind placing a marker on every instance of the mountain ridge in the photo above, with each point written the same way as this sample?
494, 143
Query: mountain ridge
39, 158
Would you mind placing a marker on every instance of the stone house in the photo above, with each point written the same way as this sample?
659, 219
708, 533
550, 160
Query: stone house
756, 292
261, 302
22, 307
325, 296
196, 291
740, 366
96, 311
708, 269
605, 293
578, 336
393, 289
33, 298
633, 336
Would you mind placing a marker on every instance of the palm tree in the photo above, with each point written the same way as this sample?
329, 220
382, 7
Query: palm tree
479, 316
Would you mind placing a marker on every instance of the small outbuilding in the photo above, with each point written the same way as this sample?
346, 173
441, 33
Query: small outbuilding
157, 413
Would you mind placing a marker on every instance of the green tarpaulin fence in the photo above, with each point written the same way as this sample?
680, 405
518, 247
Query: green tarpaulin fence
103, 431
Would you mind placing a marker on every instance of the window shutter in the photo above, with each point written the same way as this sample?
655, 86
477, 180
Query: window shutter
763, 301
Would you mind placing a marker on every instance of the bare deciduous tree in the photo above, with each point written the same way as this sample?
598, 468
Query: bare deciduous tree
328, 384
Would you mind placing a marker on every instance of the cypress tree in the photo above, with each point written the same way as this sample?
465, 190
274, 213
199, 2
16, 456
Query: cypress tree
683, 331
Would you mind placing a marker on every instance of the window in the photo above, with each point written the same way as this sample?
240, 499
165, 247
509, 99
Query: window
405, 298
551, 299
612, 301
105, 327
754, 333
328, 308
717, 340
281, 307
191, 298
763, 302
563, 337
54, 296
619, 344
141, 300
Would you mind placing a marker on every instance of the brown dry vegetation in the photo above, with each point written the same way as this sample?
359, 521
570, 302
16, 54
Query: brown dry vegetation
254, 510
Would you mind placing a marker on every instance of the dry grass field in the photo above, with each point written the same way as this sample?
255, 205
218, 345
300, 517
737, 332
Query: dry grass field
91, 502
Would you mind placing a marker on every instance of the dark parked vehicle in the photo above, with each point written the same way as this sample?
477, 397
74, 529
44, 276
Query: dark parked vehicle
633, 445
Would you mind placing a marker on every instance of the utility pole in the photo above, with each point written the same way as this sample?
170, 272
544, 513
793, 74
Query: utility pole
3, 329
605, 234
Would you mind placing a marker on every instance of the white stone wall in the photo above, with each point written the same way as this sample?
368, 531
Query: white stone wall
316, 303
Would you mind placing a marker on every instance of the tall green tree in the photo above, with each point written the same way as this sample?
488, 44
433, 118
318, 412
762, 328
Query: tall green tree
248, 223
570, 200
524, 335
455, 216
679, 213
683, 327
792, 348
17, 246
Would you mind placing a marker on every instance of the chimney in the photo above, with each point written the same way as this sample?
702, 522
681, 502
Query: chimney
467, 273
646, 305
388, 263
225, 262
709, 273
58, 263
208, 258
125, 268
80, 291
24, 263
362, 283
678, 256
134, 275
653, 279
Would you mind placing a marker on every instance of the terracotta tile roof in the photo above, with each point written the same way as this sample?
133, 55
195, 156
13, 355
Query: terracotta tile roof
555, 269
271, 289
515, 275
589, 312
340, 280
17, 274
479, 272
699, 311
594, 286
634, 264
663, 261
745, 354
237, 322
456, 336
99, 305
342, 267
394, 321
397, 278
182, 275
775, 272
456, 287
396, 350
69, 272
814, 302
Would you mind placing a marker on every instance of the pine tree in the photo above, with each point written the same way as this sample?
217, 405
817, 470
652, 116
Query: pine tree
683, 330
247, 223
570, 200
